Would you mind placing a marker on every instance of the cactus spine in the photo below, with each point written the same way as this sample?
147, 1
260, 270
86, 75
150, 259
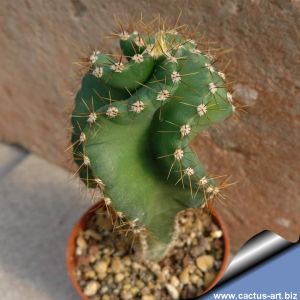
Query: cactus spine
133, 123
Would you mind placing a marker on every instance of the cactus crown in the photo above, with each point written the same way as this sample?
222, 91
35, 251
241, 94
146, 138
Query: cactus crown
132, 124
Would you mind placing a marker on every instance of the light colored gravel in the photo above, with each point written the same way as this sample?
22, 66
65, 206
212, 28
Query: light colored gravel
184, 273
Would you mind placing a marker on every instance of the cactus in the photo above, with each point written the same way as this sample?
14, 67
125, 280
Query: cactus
132, 125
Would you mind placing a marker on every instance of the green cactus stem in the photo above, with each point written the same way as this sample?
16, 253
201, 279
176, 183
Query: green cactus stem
133, 123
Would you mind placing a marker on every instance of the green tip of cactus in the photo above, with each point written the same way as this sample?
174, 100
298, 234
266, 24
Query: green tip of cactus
133, 123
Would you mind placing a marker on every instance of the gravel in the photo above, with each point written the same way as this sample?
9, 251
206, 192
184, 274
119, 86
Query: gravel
109, 265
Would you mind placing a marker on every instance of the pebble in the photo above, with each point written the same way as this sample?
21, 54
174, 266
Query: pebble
205, 262
90, 274
175, 281
217, 234
165, 274
148, 297
200, 248
189, 291
81, 243
146, 291
91, 288
93, 259
187, 260
184, 276
83, 260
126, 295
172, 291
198, 281
136, 266
101, 267
116, 265
134, 290
127, 261
92, 234
155, 267
140, 284
78, 274
110, 280
105, 297
208, 278
119, 277
101, 276
195, 242
127, 287
78, 251
199, 226
104, 290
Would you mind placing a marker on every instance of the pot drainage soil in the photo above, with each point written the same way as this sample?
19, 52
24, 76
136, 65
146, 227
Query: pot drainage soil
108, 267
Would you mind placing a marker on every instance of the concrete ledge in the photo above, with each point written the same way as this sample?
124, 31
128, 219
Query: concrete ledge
39, 205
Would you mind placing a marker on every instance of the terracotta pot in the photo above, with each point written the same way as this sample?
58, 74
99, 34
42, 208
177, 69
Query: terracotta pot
71, 246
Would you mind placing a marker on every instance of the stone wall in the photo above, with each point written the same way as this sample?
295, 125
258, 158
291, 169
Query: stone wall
41, 41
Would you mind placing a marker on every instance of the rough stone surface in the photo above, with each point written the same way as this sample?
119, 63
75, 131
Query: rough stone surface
40, 41
39, 204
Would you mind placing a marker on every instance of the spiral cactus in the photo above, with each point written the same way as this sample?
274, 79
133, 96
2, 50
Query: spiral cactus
132, 125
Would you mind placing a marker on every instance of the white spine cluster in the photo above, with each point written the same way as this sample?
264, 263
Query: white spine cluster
98, 72
107, 201
92, 118
163, 95
82, 137
172, 59
201, 109
203, 181
137, 106
138, 58
94, 56
178, 154
229, 97
140, 43
124, 36
195, 51
212, 88
209, 56
119, 214
100, 183
222, 75
209, 67
210, 189
117, 67
112, 112
189, 171
185, 130
193, 42
86, 160
133, 223
176, 77
216, 191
